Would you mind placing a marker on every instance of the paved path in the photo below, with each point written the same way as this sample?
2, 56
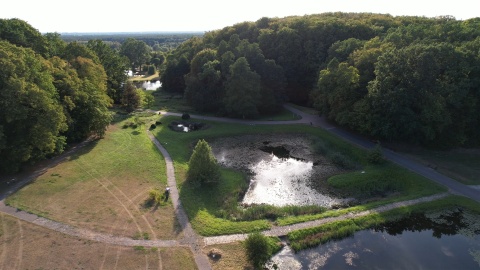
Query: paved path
190, 236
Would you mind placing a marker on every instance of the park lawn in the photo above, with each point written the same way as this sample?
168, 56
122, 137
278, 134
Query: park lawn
204, 204
462, 165
27, 246
103, 187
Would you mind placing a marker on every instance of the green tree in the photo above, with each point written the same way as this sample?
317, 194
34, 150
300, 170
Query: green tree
131, 100
202, 166
257, 249
115, 66
137, 51
31, 117
242, 90
22, 34
337, 91
81, 88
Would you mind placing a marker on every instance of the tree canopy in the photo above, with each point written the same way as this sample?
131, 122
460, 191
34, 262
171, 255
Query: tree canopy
51, 93
406, 78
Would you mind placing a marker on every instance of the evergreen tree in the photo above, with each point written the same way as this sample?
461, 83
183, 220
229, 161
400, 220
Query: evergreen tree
202, 166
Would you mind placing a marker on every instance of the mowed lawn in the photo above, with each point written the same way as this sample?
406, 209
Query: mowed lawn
104, 186
27, 246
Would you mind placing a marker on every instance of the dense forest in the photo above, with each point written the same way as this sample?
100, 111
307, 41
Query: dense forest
403, 79
53, 93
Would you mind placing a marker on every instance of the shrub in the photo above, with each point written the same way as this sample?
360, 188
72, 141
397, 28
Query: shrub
153, 126
258, 250
375, 155
185, 116
151, 70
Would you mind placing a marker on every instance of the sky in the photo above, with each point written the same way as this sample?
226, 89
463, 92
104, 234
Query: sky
64, 16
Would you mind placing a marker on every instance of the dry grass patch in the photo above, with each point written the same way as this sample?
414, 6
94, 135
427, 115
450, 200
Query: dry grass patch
27, 246
233, 256
104, 187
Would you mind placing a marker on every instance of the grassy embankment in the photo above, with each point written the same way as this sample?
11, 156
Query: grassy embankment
305, 238
205, 206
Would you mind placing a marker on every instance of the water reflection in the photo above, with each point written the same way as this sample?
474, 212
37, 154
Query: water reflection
282, 181
436, 241
151, 85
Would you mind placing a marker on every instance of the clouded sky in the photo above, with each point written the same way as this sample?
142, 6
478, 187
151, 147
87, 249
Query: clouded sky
204, 15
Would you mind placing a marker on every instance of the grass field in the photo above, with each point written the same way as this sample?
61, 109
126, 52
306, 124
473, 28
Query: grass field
27, 246
104, 186
462, 165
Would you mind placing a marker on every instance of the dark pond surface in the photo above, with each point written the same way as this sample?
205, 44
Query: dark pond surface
443, 241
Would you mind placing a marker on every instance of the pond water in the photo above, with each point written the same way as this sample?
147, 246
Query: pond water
280, 168
151, 86
281, 181
447, 241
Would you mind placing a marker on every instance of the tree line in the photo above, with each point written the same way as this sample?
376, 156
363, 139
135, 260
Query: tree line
406, 78
53, 93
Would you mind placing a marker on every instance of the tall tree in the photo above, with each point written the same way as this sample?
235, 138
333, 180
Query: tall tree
336, 91
137, 51
22, 34
131, 100
82, 91
31, 117
115, 66
202, 166
242, 90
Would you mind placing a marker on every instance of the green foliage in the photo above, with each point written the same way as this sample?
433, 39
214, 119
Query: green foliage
115, 66
402, 78
131, 100
257, 249
242, 90
337, 154
137, 51
202, 166
375, 155
20, 33
31, 116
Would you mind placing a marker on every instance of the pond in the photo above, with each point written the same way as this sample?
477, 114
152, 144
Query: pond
280, 168
437, 241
